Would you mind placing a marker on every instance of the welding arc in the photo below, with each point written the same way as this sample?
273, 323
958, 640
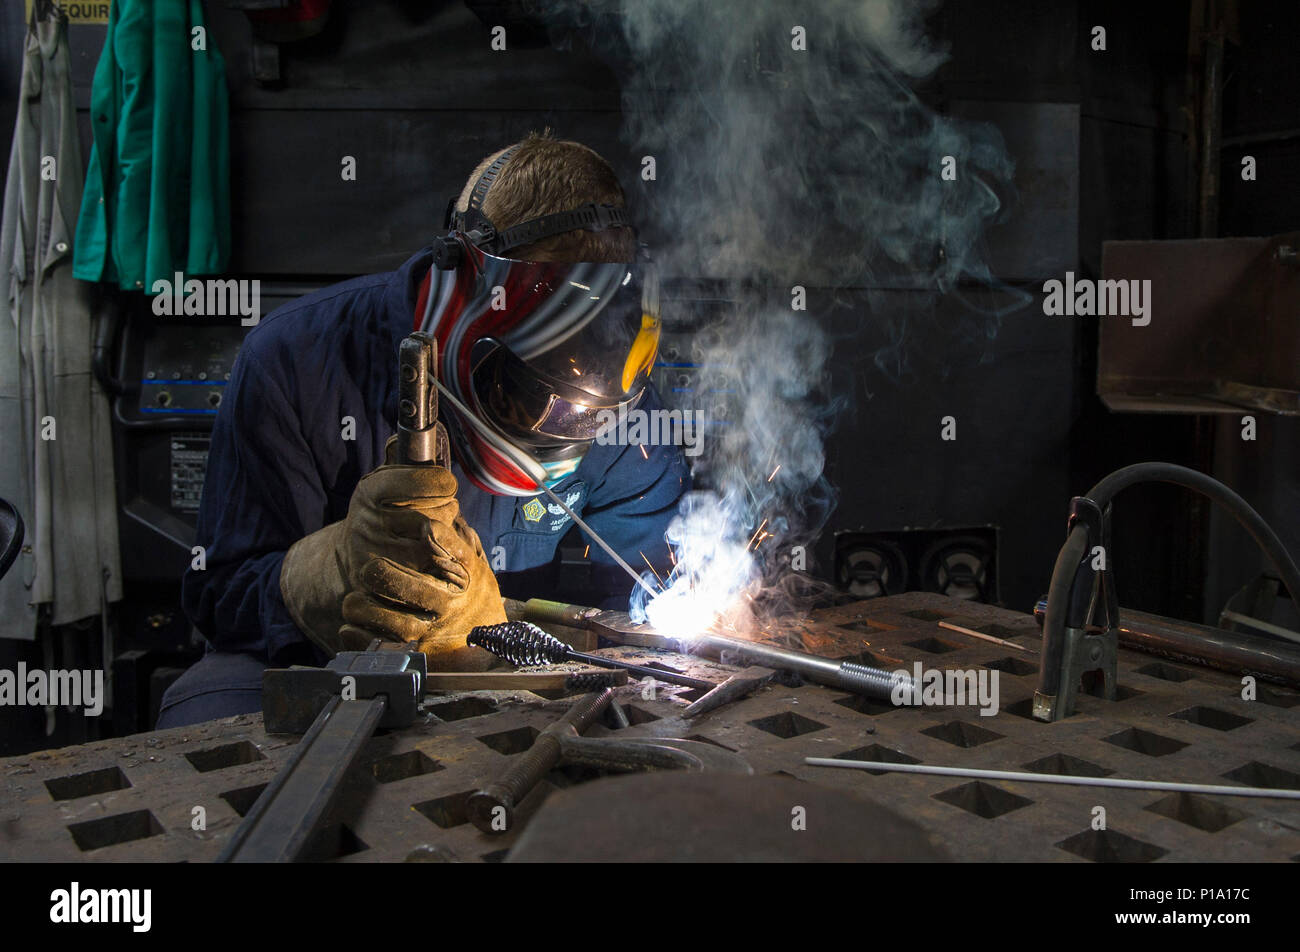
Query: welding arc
522, 643
533, 468
1213, 789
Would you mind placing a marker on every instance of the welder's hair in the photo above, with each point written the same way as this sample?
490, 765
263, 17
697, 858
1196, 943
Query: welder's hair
547, 175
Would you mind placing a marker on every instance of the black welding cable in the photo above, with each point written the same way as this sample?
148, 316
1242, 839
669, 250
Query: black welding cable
1103, 493
1058, 606
1208, 486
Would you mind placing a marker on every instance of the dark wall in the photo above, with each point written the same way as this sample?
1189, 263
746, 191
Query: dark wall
413, 92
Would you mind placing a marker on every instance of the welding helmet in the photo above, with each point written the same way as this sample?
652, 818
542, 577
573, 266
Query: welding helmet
530, 352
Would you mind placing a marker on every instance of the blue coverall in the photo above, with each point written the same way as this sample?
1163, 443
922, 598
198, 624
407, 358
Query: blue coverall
279, 469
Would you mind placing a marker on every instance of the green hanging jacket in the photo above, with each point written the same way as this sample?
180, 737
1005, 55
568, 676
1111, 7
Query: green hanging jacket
157, 196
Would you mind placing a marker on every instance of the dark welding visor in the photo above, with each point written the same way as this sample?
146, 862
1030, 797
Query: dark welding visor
589, 345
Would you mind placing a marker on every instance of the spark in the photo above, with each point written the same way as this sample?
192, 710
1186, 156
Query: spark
577, 285
755, 535
652, 569
577, 372
774, 472
643, 452
586, 550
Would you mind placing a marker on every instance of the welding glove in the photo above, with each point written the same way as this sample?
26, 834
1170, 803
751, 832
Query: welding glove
403, 566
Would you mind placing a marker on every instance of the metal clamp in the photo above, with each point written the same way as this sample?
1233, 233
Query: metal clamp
1080, 632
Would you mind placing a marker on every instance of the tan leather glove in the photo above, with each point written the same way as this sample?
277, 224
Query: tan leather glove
404, 565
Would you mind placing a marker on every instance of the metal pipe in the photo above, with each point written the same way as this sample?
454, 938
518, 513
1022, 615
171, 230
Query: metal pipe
848, 675
1213, 789
1236, 652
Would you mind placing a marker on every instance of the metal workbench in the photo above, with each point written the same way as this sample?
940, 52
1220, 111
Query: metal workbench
136, 798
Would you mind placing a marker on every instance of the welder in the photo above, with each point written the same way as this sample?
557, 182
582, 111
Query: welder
314, 539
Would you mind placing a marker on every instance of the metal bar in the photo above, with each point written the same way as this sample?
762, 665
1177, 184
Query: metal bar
1259, 625
513, 680
492, 809
280, 826
1066, 779
644, 671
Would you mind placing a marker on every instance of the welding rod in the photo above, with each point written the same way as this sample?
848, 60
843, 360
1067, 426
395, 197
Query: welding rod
1212, 789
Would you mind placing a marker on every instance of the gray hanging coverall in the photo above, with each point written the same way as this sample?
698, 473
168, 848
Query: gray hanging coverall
56, 459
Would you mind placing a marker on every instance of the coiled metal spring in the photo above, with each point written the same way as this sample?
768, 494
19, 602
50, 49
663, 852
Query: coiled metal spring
521, 643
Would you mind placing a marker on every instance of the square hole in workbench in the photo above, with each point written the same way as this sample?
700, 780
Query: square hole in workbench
787, 775
1013, 666
787, 724
962, 734
865, 705
1111, 846
227, 755
446, 811
1200, 812
879, 753
1275, 698
332, 842
512, 741
111, 830
636, 715
87, 784
461, 709
709, 740
1164, 672
1065, 765
1003, 631
863, 626
983, 799
691, 694
1145, 742
242, 800
933, 645
1255, 774
412, 763
924, 614
1212, 718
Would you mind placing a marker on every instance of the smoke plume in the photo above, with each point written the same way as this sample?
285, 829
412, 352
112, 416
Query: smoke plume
790, 151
